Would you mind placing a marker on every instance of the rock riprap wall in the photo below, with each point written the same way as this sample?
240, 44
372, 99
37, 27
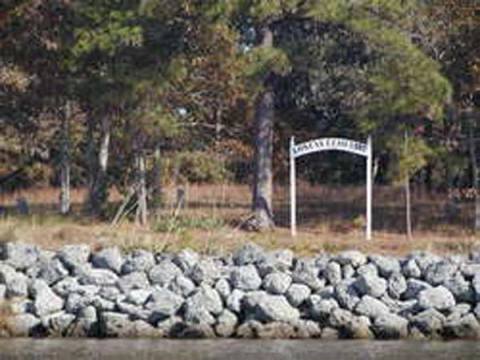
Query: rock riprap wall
250, 293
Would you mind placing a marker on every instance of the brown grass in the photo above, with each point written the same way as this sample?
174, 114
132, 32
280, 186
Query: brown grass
330, 219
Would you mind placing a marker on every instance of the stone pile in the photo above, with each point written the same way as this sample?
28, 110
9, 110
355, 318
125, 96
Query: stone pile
250, 293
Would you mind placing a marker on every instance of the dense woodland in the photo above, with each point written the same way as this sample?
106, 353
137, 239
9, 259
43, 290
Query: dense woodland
136, 94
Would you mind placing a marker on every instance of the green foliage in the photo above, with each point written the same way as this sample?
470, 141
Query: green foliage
180, 224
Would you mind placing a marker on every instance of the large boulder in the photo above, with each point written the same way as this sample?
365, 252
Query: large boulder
205, 271
98, 277
346, 294
58, 324
397, 285
333, 273
410, 269
371, 285
23, 325
305, 272
186, 259
245, 278
133, 280
476, 286
234, 301
349, 325
414, 288
429, 322
297, 294
226, 324
18, 255
351, 257
267, 308
109, 258
182, 285
208, 298
138, 260
319, 309
439, 272
114, 324
371, 307
223, 288
16, 283
466, 327
275, 261
74, 256
438, 298
52, 271
163, 304
277, 283
248, 254
164, 272
390, 326
386, 265
460, 288
45, 300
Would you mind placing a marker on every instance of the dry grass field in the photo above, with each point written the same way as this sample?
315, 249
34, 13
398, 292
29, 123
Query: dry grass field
330, 219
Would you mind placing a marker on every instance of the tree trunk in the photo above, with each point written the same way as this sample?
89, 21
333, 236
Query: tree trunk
475, 178
157, 182
99, 188
142, 211
263, 177
65, 160
408, 202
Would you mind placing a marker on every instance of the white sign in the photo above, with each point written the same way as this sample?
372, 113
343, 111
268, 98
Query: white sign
330, 144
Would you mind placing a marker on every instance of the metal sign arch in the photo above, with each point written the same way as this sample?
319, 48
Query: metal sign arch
330, 144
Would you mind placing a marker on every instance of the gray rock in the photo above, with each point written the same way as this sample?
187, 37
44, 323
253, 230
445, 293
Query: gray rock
226, 324
86, 323
425, 259
163, 303
371, 307
205, 271
223, 288
138, 297
45, 300
66, 286
182, 285
333, 273
319, 309
307, 329
102, 304
276, 330
234, 301
429, 322
397, 285
195, 314
248, 329
3, 292
370, 285
277, 283
136, 312
248, 254
75, 302
186, 259
23, 325
346, 294
97, 277
58, 324
390, 326
74, 256
350, 326
368, 269
297, 294
20, 306
466, 327
438, 272
16, 283
137, 261
386, 265
206, 297
19, 256
275, 261
164, 272
169, 326
196, 331
469, 270
245, 278
476, 286
328, 292
307, 273
111, 293
439, 298
460, 288
458, 311
52, 271
351, 257
411, 270
348, 271
266, 308
109, 258
132, 281
114, 324
476, 311
414, 288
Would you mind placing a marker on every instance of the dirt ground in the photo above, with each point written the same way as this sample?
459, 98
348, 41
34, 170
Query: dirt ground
330, 219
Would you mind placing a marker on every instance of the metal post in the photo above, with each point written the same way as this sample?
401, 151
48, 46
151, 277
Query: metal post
369, 188
293, 190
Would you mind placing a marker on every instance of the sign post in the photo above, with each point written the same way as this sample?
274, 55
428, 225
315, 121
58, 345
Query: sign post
331, 144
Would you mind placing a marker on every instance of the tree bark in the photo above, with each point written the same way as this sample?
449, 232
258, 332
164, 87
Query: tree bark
142, 211
408, 202
65, 160
475, 177
263, 177
99, 187
157, 182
